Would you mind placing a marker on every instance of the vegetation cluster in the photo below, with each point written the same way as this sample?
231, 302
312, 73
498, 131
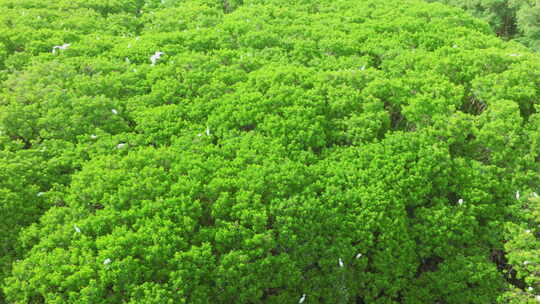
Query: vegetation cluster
510, 19
265, 151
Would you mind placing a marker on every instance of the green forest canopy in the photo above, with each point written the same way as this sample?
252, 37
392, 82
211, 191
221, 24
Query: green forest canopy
510, 19
325, 152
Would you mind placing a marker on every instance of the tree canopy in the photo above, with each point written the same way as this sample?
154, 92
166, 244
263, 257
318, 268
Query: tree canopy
265, 151
510, 19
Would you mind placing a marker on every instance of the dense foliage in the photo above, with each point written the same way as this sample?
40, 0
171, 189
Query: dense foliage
330, 152
510, 19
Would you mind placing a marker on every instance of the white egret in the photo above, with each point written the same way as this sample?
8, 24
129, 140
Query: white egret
114, 111
527, 231
127, 60
120, 145
208, 131
358, 256
302, 299
517, 195
93, 136
526, 262
107, 261
460, 201
60, 47
340, 262
77, 229
40, 193
530, 289
154, 58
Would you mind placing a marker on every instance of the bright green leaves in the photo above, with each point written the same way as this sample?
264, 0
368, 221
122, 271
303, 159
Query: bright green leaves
189, 16
499, 133
432, 99
457, 278
191, 276
410, 183
352, 151
523, 249
38, 108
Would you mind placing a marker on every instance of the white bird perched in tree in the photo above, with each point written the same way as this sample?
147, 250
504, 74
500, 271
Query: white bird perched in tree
127, 60
208, 131
77, 229
358, 256
527, 231
114, 111
93, 136
535, 194
120, 145
107, 261
526, 262
340, 262
530, 288
517, 195
460, 201
155, 57
302, 299
60, 47
40, 193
